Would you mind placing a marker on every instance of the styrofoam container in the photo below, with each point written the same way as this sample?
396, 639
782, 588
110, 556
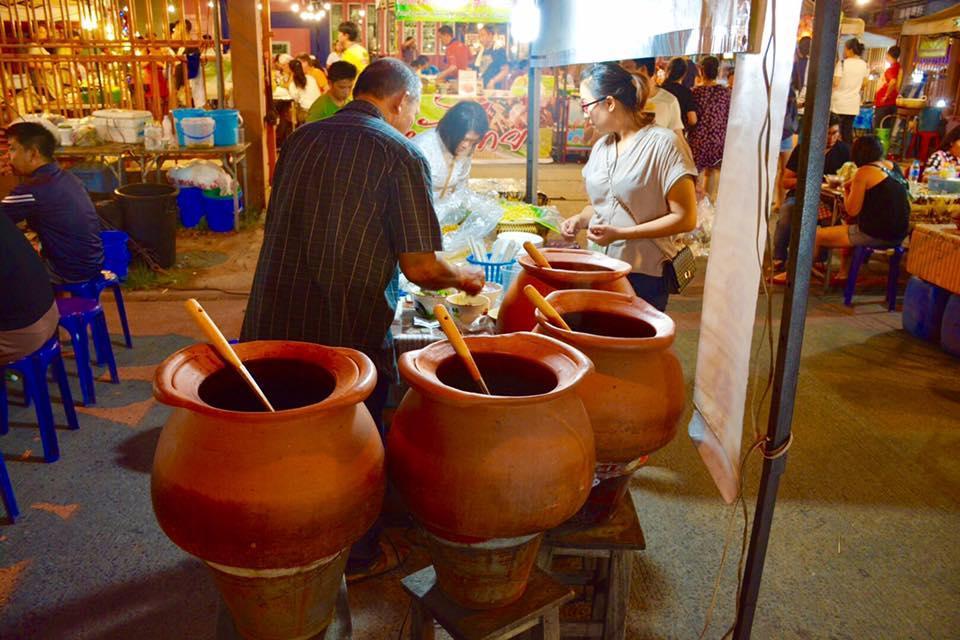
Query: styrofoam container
121, 125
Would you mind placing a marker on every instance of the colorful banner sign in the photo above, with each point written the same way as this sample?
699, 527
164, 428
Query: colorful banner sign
507, 137
454, 10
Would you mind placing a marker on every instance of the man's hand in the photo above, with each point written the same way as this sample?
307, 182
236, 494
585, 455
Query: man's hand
603, 234
471, 280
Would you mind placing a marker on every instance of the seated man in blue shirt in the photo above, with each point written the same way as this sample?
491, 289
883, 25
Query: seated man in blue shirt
55, 205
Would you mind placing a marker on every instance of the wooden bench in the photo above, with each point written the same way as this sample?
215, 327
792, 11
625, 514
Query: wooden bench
537, 612
605, 551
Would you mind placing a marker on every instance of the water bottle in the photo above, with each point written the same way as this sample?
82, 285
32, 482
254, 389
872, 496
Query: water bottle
915, 171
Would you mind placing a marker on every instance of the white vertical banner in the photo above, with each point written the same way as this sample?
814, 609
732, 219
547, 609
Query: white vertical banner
733, 271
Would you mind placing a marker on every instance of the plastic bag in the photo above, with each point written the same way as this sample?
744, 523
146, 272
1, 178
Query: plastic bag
203, 174
476, 217
699, 239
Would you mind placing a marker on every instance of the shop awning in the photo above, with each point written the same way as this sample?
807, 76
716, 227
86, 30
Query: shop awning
946, 21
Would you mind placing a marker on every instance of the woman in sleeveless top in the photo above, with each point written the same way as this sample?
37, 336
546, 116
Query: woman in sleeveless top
877, 204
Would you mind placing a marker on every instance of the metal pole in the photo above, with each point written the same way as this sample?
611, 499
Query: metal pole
804, 224
221, 89
533, 130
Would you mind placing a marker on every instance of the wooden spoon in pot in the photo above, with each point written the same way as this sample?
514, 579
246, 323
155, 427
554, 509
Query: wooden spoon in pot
537, 255
460, 346
223, 348
545, 307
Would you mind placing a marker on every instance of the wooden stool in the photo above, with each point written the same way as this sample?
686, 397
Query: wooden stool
340, 628
538, 610
606, 553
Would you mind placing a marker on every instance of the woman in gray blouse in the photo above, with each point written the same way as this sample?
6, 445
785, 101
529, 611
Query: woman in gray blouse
639, 181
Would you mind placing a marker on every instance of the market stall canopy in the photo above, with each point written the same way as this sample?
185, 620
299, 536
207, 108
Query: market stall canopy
946, 21
453, 10
581, 31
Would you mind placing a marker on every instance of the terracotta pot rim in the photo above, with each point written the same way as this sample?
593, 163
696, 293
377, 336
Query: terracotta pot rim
623, 305
354, 384
616, 268
425, 379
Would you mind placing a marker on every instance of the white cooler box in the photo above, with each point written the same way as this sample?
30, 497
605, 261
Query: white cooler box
121, 125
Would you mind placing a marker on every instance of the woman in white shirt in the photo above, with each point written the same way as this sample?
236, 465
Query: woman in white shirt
303, 89
639, 180
848, 77
449, 150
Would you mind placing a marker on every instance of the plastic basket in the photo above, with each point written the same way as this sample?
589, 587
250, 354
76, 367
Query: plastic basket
492, 271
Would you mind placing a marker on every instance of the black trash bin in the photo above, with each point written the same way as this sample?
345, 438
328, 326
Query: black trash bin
150, 217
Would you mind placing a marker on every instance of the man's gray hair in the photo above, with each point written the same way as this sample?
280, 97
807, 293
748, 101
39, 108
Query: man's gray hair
385, 78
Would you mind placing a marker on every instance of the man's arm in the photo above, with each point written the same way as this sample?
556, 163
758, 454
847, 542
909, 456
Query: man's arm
18, 205
500, 77
425, 270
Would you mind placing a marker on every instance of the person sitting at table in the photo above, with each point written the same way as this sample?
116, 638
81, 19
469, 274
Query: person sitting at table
311, 69
948, 153
423, 67
54, 204
342, 76
877, 204
28, 313
449, 149
303, 89
836, 153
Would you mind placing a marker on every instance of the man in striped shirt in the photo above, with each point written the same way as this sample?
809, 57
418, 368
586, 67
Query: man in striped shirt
351, 199
55, 205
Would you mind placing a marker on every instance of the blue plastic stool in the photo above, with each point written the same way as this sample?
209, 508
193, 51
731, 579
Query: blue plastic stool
860, 257
923, 307
950, 327
6, 493
33, 369
93, 288
80, 316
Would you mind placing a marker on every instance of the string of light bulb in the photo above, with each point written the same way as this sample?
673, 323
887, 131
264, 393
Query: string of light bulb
312, 12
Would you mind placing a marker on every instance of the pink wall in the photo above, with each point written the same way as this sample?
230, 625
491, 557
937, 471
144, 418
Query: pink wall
299, 39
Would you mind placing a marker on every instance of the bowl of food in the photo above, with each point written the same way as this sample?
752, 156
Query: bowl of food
465, 308
424, 301
833, 181
912, 103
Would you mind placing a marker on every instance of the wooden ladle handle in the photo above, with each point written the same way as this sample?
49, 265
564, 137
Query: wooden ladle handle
545, 307
537, 255
223, 348
459, 345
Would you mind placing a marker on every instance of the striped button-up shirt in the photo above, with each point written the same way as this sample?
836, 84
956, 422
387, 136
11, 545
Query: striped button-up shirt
350, 194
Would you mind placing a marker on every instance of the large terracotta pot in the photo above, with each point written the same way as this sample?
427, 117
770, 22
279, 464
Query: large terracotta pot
486, 475
270, 501
570, 269
636, 393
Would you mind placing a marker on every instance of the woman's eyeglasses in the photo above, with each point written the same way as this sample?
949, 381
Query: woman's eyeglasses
585, 106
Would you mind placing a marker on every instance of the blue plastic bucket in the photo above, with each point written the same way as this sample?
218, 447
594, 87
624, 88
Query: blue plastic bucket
950, 328
227, 132
116, 255
180, 114
219, 210
190, 203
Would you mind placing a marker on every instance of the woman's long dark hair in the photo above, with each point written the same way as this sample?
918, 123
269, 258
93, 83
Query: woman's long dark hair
299, 77
607, 79
463, 118
677, 70
950, 138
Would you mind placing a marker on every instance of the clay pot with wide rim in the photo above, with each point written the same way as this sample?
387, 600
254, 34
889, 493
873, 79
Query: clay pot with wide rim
486, 475
570, 269
271, 502
634, 396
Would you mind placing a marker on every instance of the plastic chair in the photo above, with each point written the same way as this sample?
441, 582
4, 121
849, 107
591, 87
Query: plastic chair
860, 257
6, 493
33, 369
80, 316
93, 288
